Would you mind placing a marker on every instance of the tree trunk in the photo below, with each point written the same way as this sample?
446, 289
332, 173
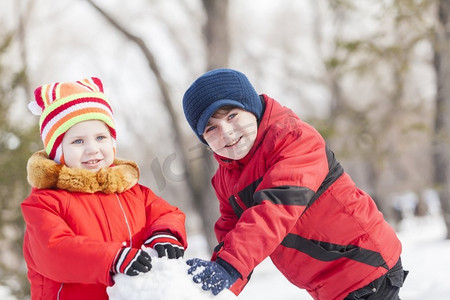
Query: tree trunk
441, 143
216, 32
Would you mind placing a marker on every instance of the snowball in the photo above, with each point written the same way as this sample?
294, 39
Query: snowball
168, 279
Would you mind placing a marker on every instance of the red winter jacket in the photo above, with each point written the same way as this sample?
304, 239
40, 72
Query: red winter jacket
73, 233
291, 200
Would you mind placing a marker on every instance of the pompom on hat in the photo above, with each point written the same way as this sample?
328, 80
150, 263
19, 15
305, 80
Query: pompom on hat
215, 89
62, 105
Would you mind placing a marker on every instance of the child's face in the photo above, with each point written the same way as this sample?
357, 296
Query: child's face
88, 145
231, 133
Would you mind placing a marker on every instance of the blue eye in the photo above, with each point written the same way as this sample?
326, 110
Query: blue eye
231, 116
101, 138
77, 141
210, 128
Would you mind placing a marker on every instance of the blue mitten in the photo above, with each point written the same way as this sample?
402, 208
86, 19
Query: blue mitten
215, 276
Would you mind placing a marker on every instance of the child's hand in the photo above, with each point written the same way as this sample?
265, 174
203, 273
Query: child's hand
214, 276
132, 261
165, 244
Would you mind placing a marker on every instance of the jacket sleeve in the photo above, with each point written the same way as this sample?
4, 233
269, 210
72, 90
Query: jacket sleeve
162, 216
52, 248
296, 165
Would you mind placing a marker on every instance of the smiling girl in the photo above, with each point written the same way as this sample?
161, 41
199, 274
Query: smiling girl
87, 217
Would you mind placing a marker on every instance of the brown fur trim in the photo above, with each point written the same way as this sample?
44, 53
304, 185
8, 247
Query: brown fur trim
44, 173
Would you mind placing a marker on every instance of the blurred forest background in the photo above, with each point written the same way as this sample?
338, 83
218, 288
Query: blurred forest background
372, 76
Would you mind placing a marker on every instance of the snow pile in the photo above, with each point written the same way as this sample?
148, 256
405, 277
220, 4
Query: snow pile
5, 293
425, 255
168, 279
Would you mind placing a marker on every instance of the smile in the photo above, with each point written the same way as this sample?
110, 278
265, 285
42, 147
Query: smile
92, 162
233, 143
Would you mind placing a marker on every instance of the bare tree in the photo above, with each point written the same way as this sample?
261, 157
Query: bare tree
441, 145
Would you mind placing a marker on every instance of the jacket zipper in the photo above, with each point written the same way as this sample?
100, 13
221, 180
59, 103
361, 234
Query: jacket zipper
237, 205
59, 291
126, 221
240, 203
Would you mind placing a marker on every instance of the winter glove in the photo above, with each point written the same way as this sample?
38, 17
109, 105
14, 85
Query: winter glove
132, 261
214, 276
165, 244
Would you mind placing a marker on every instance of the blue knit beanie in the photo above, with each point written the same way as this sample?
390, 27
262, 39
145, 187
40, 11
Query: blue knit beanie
215, 89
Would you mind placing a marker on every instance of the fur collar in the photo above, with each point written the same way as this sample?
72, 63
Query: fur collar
44, 173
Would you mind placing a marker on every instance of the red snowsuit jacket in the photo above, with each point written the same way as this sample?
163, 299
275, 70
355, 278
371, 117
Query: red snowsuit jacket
291, 200
72, 238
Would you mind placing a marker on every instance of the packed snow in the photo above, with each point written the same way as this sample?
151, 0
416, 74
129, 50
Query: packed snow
168, 279
425, 255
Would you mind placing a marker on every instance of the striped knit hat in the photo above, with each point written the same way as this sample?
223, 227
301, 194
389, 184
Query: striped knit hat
64, 104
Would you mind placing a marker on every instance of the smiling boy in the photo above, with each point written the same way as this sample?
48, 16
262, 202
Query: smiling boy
284, 195
231, 132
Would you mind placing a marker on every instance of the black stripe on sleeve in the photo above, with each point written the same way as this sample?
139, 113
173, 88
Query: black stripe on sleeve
325, 251
285, 195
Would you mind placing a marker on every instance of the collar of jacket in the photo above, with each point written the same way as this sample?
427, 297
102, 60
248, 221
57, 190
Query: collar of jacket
44, 173
273, 112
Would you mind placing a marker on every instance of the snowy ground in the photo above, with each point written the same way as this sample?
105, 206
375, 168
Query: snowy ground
425, 255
